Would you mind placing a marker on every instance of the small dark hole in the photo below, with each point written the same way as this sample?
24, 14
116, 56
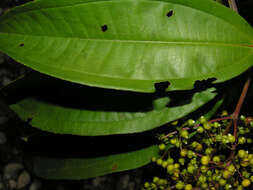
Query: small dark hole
104, 28
29, 120
161, 86
21, 45
203, 84
169, 14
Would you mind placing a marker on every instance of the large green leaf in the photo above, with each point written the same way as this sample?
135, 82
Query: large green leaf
91, 167
129, 44
59, 119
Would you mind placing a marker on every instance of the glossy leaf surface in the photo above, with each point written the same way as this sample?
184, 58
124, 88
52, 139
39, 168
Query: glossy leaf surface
127, 44
87, 168
58, 119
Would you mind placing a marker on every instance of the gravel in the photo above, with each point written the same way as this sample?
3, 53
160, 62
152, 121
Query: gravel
3, 138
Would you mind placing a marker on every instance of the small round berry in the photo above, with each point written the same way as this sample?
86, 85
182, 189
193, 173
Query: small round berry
153, 159
188, 187
222, 182
226, 174
170, 160
216, 125
155, 179
200, 130
224, 113
199, 147
209, 151
246, 183
242, 153
231, 138
205, 160
190, 122
241, 140
183, 152
242, 117
146, 184
162, 146
176, 166
190, 154
190, 169
184, 134
216, 159
182, 161
228, 186
249, 141
170, 168
202, 179
202, 119
173, 141
159, 161
180, 185
207, 126
231, 168
165, 164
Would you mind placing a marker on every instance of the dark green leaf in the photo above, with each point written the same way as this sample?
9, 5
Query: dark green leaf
91, 167
58, 119
127, 44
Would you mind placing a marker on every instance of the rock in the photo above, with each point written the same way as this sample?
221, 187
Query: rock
23, 180
36, 185
3, 120
12, 184
3, 138
1, 55
6, 81
12, 170
1, 186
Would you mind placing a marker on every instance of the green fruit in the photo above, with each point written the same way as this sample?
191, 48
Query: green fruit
246, 183
205, 160
208, 151
222, 182
207, 126
184, 134
173, 141
181, 161
231, 168
191, 122
200, 130
155, 179
226, 174
199, 147
188, 187
190, 169
231, 138
183, 152
146, 184
242, 153
216, 159
241, 140
228, 186
165, 164
202, 179
170, 160
180, 185
162, 146
190, 154
159, 161
170, 168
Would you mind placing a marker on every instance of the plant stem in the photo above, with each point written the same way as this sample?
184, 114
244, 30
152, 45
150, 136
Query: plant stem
242, 97
232, 5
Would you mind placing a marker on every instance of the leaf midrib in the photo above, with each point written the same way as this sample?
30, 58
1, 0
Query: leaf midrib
178, 4
189, 43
